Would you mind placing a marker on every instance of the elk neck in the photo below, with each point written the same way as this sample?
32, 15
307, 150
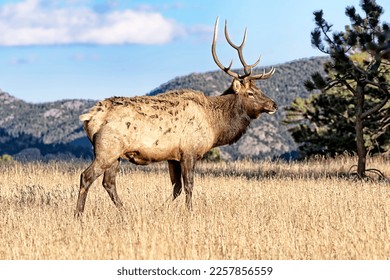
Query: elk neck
228, 118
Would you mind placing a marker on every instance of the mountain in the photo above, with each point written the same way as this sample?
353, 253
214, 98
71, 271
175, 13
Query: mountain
44, 130
52, 129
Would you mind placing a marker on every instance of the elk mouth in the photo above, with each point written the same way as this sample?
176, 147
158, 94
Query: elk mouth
264, 110
271, 109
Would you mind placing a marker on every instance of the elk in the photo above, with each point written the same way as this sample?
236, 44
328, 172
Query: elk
178, 126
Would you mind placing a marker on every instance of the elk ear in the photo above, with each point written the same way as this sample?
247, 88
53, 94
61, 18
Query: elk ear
236, 86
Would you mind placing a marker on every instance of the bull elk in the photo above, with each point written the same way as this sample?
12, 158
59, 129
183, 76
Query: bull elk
178, 126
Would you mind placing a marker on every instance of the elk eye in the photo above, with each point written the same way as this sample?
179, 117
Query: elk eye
251, 94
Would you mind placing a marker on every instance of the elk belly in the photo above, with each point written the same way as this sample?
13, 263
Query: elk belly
149, 155
136, 157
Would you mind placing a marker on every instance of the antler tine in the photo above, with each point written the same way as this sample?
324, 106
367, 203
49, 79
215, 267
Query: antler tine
215, 57
257, 62
230, 41
264, 75
247, 68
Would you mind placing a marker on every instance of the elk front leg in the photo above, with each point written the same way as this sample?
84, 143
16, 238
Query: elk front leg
175, 174
109, 183
187, 167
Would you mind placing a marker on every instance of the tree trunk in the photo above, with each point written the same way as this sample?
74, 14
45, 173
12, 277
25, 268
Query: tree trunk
361, 149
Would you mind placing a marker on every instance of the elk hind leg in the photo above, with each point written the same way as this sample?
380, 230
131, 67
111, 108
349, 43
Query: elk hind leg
175, 174
86, 179
109, 183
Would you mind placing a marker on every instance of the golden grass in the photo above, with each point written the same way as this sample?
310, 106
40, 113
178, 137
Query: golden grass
242, 210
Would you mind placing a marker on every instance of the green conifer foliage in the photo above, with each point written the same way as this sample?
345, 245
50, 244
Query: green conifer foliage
349, 109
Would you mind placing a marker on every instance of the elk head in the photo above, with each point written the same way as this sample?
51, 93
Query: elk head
253, 99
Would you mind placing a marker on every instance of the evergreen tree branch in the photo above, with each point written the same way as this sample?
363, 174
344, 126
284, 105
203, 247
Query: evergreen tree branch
377, 107
380, 86
349, 87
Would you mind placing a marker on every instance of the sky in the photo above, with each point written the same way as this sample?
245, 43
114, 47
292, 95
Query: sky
66, 49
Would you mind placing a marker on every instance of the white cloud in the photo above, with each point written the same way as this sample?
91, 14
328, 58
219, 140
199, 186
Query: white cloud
32, 23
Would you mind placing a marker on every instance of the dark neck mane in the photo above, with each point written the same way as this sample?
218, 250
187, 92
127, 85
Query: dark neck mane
228, 118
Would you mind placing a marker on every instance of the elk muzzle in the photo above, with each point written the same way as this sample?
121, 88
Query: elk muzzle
271, 108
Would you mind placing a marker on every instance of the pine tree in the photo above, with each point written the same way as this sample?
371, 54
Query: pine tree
356, 86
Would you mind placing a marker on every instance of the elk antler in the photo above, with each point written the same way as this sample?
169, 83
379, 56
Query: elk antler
247, 68
223, 68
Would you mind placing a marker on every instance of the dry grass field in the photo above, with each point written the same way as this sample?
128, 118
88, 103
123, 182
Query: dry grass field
242, 210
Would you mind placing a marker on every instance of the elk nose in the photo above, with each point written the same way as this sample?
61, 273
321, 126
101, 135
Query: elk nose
275, 106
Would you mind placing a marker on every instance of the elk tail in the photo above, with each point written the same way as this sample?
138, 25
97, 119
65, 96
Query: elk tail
93, 120
86, 117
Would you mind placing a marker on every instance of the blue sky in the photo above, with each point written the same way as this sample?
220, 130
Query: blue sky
64, 49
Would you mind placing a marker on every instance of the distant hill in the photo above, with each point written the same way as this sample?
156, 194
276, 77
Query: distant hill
43, 130
52, 129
